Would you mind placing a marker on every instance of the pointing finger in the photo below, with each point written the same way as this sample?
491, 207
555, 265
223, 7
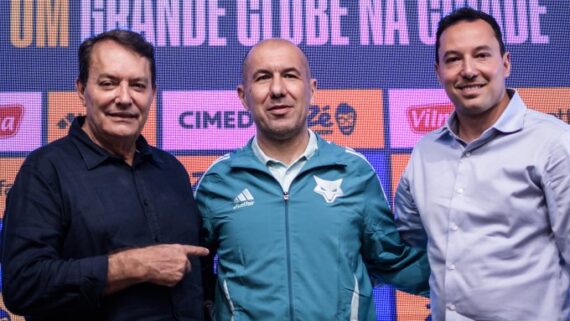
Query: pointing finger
196, 250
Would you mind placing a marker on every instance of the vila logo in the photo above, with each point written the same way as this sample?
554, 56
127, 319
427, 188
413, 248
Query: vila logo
10, 119
243, 199
425, 118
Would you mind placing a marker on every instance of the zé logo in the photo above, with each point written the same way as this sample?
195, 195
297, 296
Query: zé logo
348, 117
345, 118
320, 119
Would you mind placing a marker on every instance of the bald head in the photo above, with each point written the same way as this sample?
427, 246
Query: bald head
271, 45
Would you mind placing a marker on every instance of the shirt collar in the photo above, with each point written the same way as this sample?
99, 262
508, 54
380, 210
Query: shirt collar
511, 120
93, 155
310, 150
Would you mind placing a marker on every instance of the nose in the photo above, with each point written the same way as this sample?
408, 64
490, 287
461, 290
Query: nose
469, 69
123, 95
278, 87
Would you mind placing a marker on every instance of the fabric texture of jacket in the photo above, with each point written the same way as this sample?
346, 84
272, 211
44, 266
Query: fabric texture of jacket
307, 254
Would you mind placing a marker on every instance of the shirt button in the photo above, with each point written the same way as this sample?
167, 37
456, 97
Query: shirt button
454, 227
451, 267
467, 154
460, 190
450, 306
145, 202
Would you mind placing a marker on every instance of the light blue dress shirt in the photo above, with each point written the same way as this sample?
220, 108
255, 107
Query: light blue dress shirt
495, 214
283, 173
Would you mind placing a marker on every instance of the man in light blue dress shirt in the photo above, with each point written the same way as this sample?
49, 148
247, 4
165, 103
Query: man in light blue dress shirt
488, 194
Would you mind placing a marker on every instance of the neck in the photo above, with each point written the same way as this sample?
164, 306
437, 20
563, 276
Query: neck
471, 127
285, 151
122, 148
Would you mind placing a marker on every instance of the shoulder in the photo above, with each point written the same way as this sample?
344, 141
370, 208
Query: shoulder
216, 171
353, 160
52, 154
545, 123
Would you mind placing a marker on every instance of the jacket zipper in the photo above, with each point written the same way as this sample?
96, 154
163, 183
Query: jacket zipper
286, 200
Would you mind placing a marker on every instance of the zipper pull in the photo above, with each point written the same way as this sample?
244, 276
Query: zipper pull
286, 196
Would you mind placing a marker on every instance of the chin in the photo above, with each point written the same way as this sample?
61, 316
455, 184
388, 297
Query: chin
122, 134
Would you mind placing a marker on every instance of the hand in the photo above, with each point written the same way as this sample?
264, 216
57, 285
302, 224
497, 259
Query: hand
164, 264
167, 264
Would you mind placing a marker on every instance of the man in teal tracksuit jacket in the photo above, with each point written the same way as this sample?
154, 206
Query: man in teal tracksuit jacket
299, 232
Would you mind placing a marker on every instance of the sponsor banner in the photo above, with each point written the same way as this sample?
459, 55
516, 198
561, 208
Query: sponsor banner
204, 120
412, 307
10, 167
63, 107
553, 101
380, 162
353, 118
196, 166
399, 163
414, 113
20, 121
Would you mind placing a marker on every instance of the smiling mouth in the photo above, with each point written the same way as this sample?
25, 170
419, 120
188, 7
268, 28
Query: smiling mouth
122, 115
279, 110
279, 107
470, 87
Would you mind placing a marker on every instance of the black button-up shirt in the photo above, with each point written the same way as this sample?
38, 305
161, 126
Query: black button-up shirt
71, 205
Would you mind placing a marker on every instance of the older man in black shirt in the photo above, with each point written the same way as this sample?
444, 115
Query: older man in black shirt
99, 225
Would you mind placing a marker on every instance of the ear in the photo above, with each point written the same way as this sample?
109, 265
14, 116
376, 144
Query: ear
154, 93
436, 69
241, 94
313, 84
80, 91
507, 63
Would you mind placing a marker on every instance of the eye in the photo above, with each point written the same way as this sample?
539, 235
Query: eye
139, 86
106, 84
262, 77
452, 59
483, 55
291, 75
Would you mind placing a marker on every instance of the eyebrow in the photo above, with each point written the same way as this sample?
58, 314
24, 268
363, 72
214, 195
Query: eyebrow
284, 71
110, 76
479, 48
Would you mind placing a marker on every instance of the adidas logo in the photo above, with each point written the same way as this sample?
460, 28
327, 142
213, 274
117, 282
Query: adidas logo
243, 199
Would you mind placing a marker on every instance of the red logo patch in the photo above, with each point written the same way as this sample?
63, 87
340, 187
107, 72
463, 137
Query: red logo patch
10, 119
425, 118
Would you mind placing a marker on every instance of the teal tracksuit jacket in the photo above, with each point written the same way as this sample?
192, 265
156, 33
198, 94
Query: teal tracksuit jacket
305, 255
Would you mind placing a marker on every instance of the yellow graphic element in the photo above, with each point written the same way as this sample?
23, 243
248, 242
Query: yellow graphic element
411, 307
196, 166
10, 167
63, 107
52, 23
352, 118
553, 101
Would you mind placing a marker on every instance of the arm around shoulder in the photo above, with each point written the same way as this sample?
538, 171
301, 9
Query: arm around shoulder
386, 256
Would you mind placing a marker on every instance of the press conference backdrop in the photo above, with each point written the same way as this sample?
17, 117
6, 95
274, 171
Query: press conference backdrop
373, 60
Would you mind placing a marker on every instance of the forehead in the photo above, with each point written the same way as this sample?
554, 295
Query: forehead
110, 56
275, 55
468, 35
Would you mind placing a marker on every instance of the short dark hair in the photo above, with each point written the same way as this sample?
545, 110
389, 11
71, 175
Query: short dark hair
470, 15
126, 38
